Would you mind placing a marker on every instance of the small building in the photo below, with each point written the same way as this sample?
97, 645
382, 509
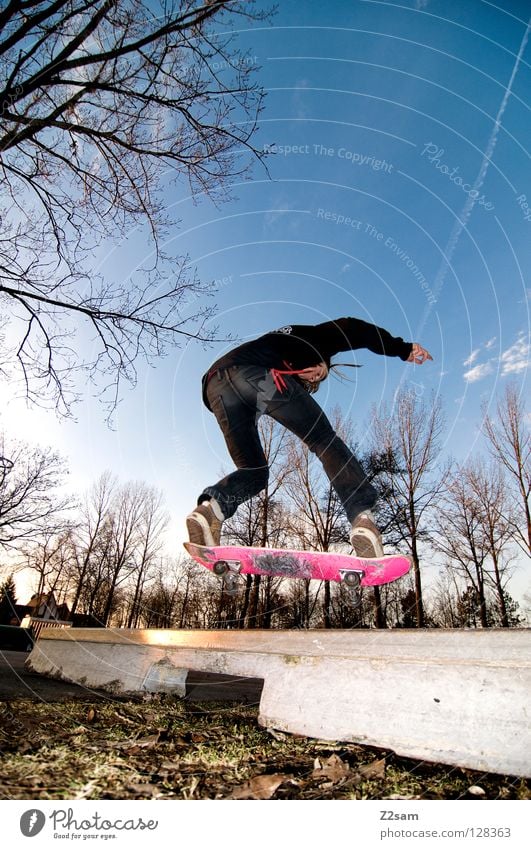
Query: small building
43, 606
42, 611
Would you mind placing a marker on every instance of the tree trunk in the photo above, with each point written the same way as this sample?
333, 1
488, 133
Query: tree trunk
252, 618
268, 612
327, 605
500, 593
419, 605
246, 601
379, 616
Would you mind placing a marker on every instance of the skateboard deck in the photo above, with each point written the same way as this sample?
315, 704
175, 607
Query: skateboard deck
229, 562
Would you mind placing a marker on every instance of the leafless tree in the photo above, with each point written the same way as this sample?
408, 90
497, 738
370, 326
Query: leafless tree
170, 597
94, 589
474, 530
116, 541
406, 438
136, 513
31, 500
261, 522
488, 485
50, 557
445, 597
460, 538
152, 524
93, 514
103, 101
317, 518
322, 523
509, 439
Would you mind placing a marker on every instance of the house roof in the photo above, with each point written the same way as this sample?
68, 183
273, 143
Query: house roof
44, 598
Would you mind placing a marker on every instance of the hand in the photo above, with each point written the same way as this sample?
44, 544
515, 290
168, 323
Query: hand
314, 374
419, 355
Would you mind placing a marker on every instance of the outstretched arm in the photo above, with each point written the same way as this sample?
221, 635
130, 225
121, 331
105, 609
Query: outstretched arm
419, 355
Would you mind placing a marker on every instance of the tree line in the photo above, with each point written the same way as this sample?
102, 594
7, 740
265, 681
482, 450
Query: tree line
105, 555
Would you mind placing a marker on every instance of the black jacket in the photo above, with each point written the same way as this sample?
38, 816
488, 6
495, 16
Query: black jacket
297, 346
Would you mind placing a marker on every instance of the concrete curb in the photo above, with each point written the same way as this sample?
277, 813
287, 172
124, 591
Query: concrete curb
456, 697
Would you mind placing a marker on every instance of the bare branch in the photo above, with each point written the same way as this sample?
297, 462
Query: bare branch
102, 99
30, 479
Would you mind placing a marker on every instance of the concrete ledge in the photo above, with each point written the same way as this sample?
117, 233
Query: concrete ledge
455, 697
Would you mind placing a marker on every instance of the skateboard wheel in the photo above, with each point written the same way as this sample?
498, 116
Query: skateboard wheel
352, 579
354, 602
220, 567
231, 584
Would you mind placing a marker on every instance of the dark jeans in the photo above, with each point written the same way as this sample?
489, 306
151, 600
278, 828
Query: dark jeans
238, 396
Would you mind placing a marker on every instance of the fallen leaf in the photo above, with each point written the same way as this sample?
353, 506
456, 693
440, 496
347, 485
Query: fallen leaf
260, 787
189, 792
197, 737
91, 713
150, 790
277, 735
147, 742
86, 791
398, 797
475, 790
332, 769
171, 766
79, 729
123, 718
132, 747
376, 769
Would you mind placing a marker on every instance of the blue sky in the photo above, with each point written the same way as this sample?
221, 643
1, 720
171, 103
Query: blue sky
398, 191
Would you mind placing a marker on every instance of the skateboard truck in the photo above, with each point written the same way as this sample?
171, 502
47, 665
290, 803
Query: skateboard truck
229, 572
351, 586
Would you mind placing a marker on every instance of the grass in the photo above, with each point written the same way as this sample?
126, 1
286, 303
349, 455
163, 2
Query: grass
173, 749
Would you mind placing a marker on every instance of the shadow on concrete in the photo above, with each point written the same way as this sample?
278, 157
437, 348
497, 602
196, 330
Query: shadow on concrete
17, 683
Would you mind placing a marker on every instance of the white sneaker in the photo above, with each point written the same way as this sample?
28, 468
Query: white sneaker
365, 537
204, 524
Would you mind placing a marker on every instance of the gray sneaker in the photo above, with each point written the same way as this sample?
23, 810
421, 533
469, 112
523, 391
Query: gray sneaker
365, 537
204, 526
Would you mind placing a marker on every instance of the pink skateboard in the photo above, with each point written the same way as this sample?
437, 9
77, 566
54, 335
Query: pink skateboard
229, 562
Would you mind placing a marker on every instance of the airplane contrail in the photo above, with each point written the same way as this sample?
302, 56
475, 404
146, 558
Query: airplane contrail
468, 208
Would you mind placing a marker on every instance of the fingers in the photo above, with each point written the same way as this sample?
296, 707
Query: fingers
419, 355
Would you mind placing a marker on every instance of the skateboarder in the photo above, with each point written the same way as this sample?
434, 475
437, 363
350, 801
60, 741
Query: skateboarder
277, 374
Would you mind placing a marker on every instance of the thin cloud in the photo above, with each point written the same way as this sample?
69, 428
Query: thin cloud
478, 372
512, 361
516, 358
472, 358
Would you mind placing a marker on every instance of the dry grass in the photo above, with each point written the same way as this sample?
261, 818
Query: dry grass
171, 749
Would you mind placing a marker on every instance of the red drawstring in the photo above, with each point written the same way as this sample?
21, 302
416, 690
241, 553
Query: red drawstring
279, 381
278, 378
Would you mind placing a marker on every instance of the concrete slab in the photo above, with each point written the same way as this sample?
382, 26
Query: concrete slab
18, 682
456, 697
